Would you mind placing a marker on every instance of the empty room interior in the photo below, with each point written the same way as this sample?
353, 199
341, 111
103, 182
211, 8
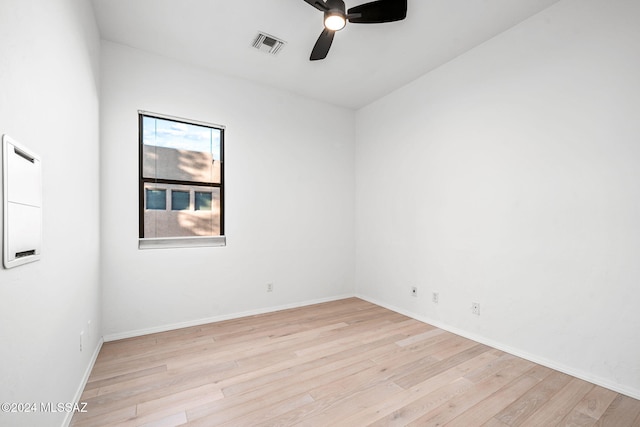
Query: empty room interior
245, 216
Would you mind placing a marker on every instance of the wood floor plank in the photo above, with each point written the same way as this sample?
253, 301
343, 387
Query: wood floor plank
577, 419
421, 348
455, 346
623, 411
97, 384
517, 412
331, 369
169, 421
331, 409
213, 372
596, 402
185, 399
420, 374
305, 366
376, 411
478, 392
341, 363
267, 413
487, 408
93, 418
563, 402
503, 362
420, 337
415, 409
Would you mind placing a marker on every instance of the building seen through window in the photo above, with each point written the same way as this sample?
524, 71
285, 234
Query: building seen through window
181, 178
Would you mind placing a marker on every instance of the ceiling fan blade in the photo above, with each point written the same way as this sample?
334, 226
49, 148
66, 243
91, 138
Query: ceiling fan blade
318, 4
321, 48
377, 12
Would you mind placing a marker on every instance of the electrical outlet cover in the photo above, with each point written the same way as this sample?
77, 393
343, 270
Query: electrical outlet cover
475, 308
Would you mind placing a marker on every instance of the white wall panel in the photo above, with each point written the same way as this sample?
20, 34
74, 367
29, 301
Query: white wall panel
289, 197
509, 177
49, 103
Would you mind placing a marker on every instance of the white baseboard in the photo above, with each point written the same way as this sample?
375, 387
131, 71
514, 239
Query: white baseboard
83, 382
197, 322
603, 382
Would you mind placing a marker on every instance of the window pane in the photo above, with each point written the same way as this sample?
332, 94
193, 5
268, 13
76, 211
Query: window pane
181, 136
179, 200
203, 201
156, 199
180, 151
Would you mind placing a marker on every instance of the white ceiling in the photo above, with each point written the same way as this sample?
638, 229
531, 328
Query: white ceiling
365, 61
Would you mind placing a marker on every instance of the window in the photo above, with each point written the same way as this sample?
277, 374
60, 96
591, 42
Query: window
181, 182
156, 199
179, 200
203, 201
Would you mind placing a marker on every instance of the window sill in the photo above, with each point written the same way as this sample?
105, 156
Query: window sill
182, 242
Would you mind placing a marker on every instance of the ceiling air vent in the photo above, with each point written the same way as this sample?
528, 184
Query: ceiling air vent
268, 44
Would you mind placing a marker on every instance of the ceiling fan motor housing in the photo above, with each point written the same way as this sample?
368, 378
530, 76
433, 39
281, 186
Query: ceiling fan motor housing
336, 5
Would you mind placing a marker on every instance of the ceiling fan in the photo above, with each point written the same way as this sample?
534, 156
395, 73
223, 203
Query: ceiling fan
335, 18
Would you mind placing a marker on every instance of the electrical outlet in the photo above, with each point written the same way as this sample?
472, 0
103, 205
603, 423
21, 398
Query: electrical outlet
435, 297
89, 335
269, 287
475, 308
414, 291
81, 340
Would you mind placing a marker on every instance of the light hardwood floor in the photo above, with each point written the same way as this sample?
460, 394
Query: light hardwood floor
342, 363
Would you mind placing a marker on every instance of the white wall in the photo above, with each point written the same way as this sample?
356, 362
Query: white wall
289, 198
510, 177
49, 66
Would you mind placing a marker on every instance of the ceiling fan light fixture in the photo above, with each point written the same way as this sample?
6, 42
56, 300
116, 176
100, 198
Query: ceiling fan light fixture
334, 21
336, 16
